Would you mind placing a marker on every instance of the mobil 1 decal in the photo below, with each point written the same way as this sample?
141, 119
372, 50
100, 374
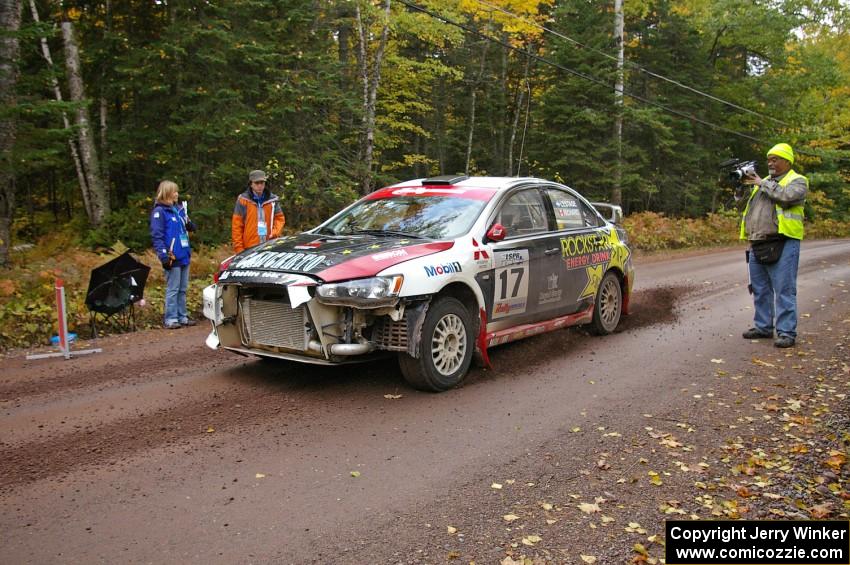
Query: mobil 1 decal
510, 294
590, 252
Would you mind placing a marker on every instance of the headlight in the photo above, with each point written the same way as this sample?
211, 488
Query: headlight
365, 293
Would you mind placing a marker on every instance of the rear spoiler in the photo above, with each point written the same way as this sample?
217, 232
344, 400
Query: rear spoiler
610, 212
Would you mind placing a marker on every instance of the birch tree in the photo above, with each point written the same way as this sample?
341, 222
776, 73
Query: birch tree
57, 94
94, 188
10, 23
370, 78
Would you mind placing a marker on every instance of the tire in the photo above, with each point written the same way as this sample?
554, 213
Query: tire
608, 305
445, 350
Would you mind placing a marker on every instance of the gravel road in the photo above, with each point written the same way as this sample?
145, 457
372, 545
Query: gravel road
161, 450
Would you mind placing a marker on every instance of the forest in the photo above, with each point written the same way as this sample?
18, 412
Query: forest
333, 98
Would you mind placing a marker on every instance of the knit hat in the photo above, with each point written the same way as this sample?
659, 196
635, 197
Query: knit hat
782, 150
260, 175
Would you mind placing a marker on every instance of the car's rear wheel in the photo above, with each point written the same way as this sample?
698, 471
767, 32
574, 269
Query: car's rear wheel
445, 350
608, 306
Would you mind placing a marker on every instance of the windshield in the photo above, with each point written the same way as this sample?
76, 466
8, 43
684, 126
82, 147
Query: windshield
432, 217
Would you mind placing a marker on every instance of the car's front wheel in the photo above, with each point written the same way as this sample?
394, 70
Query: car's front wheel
608, 306
445, 350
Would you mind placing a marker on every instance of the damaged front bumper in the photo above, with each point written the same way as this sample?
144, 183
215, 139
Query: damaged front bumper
294, 321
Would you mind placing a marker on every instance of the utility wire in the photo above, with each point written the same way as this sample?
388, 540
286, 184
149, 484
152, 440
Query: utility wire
631, 64
581, 75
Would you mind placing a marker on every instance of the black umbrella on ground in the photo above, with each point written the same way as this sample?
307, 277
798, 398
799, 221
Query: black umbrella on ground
116, 284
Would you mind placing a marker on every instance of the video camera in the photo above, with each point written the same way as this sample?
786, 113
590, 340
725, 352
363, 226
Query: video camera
735, 170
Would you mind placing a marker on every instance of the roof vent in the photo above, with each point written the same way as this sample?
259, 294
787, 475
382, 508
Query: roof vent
444, 180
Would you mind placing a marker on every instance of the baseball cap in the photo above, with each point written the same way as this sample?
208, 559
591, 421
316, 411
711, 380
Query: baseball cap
257, 175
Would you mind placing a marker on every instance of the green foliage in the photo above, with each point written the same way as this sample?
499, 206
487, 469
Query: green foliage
201, 92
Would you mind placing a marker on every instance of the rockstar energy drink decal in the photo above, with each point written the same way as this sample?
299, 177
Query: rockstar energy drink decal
595, 253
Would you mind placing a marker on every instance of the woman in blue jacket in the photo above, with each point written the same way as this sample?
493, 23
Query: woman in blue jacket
170, 227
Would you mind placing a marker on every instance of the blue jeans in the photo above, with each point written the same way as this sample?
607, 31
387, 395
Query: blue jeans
176, 283
775, 291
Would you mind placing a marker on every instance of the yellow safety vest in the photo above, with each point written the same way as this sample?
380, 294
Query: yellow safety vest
790, 219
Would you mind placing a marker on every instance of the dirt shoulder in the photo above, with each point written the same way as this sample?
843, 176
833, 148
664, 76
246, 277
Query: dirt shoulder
761, 440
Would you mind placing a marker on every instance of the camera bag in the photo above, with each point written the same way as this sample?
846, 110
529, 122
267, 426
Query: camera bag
768, 251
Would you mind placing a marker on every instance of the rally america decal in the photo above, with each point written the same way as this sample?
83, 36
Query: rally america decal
279, 260
552, 294
511, 283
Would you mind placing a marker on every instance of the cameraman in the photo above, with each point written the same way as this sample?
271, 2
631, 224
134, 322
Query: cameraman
772, 222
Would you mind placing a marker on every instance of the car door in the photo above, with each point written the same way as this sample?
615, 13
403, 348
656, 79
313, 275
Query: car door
585, 248
525, 262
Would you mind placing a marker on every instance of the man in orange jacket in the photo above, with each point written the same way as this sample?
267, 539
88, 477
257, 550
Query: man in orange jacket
257, 216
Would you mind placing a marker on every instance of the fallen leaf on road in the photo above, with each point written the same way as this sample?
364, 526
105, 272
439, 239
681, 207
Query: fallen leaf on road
260, 476
588, 508
531, 540
510, 517
355, 474
744, 492
588, 559
392, 396
718, 361
451, 529
210, 430
836, 460
821, 511
546, 506
496, 486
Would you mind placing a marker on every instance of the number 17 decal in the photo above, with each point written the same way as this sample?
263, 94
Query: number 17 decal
511, 288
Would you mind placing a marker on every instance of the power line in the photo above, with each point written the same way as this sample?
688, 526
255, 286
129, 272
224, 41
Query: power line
631, 64
581, 75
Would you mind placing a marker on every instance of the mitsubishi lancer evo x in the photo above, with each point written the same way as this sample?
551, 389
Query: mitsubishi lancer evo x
436, 270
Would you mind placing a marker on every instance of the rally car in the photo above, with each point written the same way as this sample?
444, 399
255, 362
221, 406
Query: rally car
437, 270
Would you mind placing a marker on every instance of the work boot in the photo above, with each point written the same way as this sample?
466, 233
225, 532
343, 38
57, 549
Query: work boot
784, 341
755, 333
189, 322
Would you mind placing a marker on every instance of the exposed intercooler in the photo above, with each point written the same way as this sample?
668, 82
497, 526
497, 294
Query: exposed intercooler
273, 323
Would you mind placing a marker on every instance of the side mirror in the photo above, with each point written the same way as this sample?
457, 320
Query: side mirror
496, 232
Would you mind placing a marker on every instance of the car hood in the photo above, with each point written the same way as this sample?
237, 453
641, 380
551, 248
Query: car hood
329, 258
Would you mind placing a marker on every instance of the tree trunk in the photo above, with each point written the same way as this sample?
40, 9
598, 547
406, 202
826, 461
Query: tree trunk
97, 189
617, 189
472, 102
470, 136
104, 110
370, 78
10, 23
57, 93
520, 99
104, 144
